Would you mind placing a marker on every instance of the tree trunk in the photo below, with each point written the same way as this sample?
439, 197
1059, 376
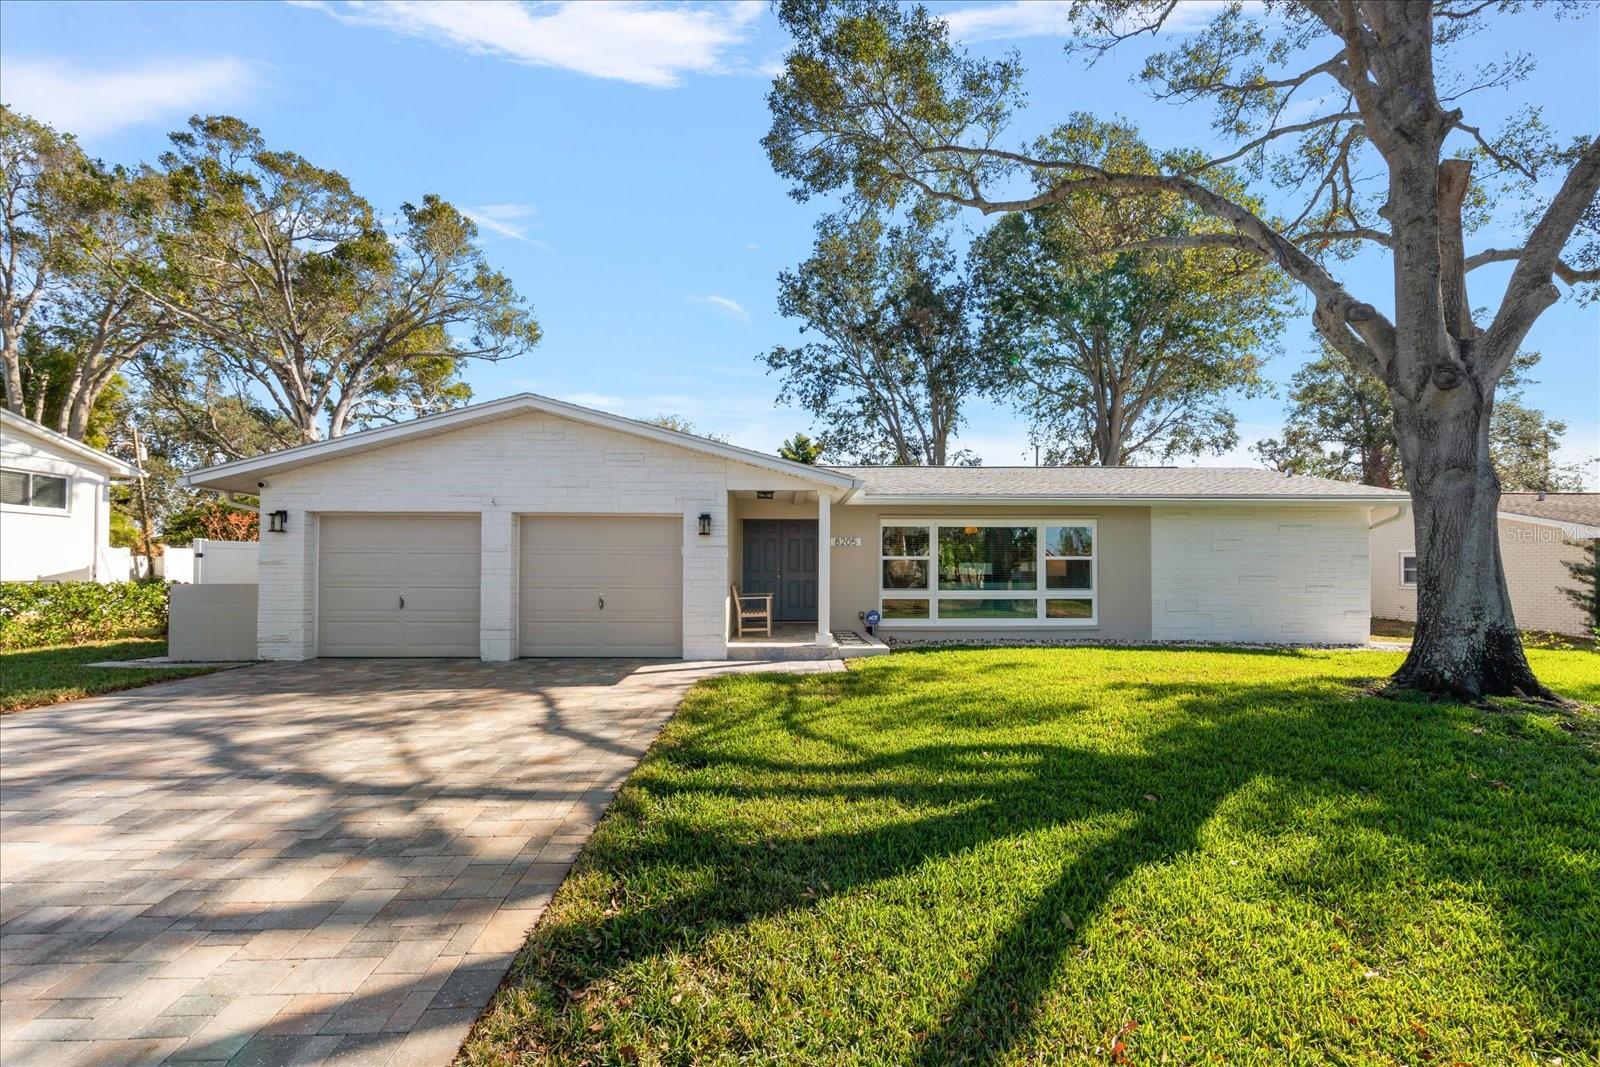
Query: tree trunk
13, 372
1466, 643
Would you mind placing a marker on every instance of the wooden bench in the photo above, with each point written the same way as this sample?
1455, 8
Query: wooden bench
754, 609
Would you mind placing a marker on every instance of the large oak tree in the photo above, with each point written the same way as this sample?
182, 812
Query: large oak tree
894, 356
293, 300
1116, 355
877, 102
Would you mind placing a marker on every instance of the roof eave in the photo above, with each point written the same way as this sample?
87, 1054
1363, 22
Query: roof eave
1102, 499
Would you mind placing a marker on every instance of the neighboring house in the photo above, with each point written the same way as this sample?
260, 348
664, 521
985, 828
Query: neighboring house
55, 506
532, 527
1539, 534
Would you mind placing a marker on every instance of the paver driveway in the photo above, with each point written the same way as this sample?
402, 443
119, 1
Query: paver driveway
299, 863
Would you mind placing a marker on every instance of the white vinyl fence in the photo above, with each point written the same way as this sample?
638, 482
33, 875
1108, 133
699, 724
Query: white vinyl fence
209, 562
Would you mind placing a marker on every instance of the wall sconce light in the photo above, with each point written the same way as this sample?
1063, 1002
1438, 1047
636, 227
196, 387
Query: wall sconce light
277, 522
705, 523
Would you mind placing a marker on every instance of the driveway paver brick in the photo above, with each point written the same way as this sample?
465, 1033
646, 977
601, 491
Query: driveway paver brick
326, 862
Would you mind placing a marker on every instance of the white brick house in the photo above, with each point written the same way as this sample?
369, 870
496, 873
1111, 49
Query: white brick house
55, 506
527, 526
1540, 534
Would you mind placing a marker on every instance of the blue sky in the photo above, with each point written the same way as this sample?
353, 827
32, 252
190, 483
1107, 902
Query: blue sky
611, 155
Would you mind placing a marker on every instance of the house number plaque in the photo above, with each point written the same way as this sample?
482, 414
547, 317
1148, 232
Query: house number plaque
845, 542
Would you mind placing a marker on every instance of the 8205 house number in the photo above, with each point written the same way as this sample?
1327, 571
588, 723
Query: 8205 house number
845, 542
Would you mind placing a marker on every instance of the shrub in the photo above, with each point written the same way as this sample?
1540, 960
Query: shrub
37, 614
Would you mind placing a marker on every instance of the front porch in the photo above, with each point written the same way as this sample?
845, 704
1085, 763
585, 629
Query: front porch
799, 641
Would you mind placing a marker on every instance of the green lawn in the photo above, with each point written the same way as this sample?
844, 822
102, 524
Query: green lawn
1082, 856
50, 675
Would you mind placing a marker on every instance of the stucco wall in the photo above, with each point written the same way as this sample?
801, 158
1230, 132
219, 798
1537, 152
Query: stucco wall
1260, 574
1534, 557
43, 545
528, 463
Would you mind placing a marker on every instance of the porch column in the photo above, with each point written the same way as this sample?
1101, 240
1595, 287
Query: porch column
824, 569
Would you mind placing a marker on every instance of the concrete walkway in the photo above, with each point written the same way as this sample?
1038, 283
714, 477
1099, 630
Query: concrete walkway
328, 862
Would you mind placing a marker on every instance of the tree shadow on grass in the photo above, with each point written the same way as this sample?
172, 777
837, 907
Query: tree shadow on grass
957, 797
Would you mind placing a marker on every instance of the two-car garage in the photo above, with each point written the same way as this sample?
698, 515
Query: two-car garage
409, 585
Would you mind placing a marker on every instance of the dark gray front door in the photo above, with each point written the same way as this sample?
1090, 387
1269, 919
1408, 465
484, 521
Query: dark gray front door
780, 557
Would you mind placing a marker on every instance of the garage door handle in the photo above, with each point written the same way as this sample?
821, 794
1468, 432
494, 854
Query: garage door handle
402, 601
602, 603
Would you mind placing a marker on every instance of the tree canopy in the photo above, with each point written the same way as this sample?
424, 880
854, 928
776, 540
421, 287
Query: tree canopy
293, 300
1117, 355
895, 354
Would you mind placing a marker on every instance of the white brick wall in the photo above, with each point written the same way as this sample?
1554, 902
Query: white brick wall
1533, 556
526, 464
1272, 574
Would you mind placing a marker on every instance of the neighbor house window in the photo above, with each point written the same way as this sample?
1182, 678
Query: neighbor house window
989, 572
1408, 569
33, 490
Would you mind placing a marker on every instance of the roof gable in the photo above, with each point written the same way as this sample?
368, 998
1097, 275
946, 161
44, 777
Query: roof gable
242, 475
15, 425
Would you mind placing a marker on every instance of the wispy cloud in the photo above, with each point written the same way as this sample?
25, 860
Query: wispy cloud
92, 100
729, 305
1050, 18
626, 40
507, 220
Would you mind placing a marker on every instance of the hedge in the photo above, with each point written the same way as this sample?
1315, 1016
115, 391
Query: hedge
36, 614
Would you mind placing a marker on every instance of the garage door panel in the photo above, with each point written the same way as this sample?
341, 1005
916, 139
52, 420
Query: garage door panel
651, 534
572, 568
569, 562
368, 562
360, 533
356, 565
545, 532
648, 570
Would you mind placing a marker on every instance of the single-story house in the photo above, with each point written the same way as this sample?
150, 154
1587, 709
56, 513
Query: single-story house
532, 527
1540, 533
55, 506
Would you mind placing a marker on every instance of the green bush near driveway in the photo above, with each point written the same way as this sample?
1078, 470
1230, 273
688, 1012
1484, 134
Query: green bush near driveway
38, 614
1082, 856
39, 676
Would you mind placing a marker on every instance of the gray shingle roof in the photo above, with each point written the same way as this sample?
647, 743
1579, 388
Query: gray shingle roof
1580, 508
1151, 483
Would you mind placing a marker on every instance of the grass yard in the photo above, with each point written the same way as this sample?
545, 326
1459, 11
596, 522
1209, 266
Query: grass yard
1038, 856
42, 676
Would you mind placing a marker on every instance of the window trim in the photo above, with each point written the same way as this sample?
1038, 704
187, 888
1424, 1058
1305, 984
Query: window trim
1040, 594
1402, 575
36, 509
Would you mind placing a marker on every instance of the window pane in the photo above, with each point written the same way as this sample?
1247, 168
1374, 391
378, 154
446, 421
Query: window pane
1408, 570
988, 609
905, 609
988, 557
905, 574
1069, 609
49, 491
905, 540
1068, 541
13, 487
1066, 574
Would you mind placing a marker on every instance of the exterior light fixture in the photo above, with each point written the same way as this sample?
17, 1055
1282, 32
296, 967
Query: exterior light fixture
278, 522
705, 524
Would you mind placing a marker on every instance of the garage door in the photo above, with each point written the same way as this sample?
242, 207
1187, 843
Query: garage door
398, 585
601, 586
